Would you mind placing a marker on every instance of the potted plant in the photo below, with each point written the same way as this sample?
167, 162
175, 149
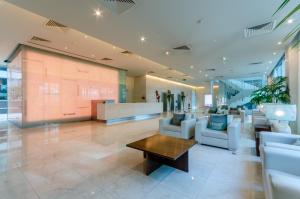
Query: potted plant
182, 96
276, 92
169, 94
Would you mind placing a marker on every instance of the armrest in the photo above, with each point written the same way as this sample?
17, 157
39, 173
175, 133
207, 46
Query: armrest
201, 124
285, 185
188, 128
233, 131
164, 122
278, 137
282, 160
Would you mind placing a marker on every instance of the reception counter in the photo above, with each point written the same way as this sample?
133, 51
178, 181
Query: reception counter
111, 113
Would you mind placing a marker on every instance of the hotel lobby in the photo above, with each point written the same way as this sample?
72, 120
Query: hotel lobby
135, 99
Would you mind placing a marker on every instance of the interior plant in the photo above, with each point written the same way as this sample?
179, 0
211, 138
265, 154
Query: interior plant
275, 92
296, 29
182, 96
169, 95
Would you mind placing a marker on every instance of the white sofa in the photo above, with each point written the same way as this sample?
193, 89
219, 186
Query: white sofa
280, 165
186, 130
225, 139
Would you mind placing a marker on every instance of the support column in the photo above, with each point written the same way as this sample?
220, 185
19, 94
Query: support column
293, 74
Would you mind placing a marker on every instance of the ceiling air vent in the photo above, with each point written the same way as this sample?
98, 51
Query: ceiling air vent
52, 23
126, 52
256, 63
259, 29
219, 77
151, 72
184, 47
210, 69
255, 73
35, 38
106, 59
117, 6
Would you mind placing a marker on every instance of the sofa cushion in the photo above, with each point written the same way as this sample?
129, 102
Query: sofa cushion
280, 127
173, 128
217, 122
282, 146
215, 134
177, 119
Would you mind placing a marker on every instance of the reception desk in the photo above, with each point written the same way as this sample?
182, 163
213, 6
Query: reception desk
112, 113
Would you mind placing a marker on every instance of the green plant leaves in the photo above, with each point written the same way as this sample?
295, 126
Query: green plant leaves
284, 3
276, 91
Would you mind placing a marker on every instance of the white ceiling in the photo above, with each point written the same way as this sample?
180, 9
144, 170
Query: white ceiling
165, 24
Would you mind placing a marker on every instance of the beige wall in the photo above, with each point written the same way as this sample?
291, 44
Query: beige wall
293, 73
139, 89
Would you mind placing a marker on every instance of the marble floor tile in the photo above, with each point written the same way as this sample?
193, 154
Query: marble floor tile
89, 160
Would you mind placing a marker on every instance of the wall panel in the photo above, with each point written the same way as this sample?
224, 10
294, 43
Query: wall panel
57, 87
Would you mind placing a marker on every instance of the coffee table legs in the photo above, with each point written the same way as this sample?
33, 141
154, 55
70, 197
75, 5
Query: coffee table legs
153, 162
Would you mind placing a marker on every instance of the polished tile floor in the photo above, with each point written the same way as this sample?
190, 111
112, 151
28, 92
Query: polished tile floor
89, 160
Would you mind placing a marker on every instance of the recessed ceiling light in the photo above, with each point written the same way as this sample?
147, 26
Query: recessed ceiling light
85, 36
192, 66
98, 13
215, 40
274, 53
66, 47
206, 75
114, 47
140, 57
167, 52
290, 21
143, 39
93, 55
270, 62
279, 43
224, 58
200, 71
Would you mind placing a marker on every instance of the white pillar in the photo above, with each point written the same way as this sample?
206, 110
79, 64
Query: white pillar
293, 73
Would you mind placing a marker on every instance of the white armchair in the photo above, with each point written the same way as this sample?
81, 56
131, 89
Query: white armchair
281, 173
186, 130
225, 139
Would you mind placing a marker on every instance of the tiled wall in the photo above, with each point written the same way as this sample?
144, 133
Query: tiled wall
57, 87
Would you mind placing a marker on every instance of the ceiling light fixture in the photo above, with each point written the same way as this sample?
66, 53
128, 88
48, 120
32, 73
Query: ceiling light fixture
192, 66
206, 75
93, 55
274, 53
224, 58
270, 62
279, 43
167, 52
114, 47
85, 36
200, 71
143, 39
66, 47
290, 21
98, 13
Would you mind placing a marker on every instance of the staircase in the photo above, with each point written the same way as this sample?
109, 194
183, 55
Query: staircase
238, 92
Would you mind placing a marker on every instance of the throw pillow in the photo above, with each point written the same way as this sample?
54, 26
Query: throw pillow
297, 143
217, 122
177, 119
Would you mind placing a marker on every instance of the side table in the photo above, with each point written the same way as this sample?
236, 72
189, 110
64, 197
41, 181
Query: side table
257, 129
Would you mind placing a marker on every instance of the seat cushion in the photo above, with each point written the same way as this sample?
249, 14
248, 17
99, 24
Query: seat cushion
215, 134
281, 127
217, 122
174, 128
177, 119
283, 146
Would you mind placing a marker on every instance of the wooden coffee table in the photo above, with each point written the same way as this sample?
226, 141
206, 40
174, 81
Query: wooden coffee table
160, 149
